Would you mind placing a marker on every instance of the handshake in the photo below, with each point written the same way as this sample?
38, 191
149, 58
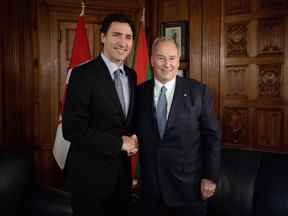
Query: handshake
130, 144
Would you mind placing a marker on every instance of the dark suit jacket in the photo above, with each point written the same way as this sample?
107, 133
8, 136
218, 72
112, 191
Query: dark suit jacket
190, 149
93, 122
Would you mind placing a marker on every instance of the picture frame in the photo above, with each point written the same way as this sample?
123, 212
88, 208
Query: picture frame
179, 32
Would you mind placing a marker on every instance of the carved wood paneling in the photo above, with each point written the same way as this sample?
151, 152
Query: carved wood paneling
269, 80
236, 7
236, 39
253, 69
236, 81
269, 128
271, 36
235, 126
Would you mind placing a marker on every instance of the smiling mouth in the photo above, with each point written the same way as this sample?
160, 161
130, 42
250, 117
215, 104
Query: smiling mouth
121, 51
166, 71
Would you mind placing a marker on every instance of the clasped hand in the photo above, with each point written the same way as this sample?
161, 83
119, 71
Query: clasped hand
207, 188
130, 144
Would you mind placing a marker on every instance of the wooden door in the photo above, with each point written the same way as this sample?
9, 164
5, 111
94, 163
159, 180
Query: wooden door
254, 92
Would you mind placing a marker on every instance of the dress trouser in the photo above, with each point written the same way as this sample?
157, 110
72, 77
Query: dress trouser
117, 203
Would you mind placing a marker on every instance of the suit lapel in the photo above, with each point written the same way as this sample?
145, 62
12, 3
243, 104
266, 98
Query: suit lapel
177, 105
132, 94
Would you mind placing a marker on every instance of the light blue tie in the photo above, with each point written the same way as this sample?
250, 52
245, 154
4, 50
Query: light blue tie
161, 111
119, 89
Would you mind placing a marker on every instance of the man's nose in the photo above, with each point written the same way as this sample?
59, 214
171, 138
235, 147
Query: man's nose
166, 63
122, 40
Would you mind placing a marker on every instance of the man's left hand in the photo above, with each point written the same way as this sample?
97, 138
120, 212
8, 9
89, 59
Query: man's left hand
208, 188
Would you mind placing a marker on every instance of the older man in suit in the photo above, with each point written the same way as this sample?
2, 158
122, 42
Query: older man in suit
178, 138
96, 120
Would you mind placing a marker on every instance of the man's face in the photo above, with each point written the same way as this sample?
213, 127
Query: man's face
117, 42
165, 61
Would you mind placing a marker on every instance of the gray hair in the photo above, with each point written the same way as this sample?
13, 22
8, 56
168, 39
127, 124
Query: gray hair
161, 39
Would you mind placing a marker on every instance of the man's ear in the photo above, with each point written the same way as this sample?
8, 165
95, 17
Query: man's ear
102, 35
151, 61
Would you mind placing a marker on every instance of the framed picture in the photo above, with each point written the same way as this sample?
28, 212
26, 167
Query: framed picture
178, 32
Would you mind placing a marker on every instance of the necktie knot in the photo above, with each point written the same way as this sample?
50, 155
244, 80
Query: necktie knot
117, 73
163, 89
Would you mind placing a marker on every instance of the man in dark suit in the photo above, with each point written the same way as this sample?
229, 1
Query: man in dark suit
96, 120
178, 138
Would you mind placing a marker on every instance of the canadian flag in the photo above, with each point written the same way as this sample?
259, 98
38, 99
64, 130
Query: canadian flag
80, 55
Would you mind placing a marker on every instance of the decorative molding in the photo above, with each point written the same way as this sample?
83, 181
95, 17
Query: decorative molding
273, 4
235, 126
111, 4
271, 36
236, 7
269, 127
236, 82
236, 39
269, 80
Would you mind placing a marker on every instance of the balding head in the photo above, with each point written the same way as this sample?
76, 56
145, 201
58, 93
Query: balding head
159, 40
165, 59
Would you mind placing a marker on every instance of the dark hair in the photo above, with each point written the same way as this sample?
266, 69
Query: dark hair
117, 17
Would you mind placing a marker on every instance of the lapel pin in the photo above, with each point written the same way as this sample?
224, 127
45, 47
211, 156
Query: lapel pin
185, 95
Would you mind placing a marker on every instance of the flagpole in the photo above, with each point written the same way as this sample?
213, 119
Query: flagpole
83, 8
143, 16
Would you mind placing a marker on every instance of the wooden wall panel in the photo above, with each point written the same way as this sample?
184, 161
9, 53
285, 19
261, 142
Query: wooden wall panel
236, 7
236, 127
236, 85
236, 39
152, 21
17, 81
269, 81
273, 4
195, 26
171, 10
254, 38
271, 33
2, 26
269, 129
211, 38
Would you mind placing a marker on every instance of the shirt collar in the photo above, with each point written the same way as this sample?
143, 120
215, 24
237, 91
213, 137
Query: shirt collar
111, 65
169, 85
